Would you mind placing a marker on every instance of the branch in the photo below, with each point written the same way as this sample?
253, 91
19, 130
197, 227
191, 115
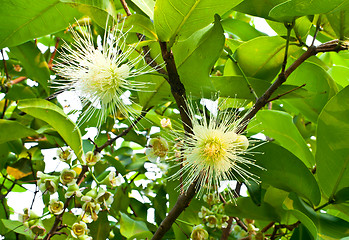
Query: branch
332, 46
112, 140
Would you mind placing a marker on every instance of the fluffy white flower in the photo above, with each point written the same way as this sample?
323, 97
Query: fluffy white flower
214, 152
100, 75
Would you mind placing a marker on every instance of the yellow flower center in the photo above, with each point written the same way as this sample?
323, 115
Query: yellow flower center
213, 149
159, 148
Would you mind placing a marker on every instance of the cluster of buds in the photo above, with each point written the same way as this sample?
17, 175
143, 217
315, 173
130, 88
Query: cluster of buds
213, 216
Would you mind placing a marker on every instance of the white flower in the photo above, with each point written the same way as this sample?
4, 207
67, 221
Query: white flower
100, 76
214, 152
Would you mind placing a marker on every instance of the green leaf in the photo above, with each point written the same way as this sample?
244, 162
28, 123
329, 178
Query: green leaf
121, 201
301, 233
18, 92
339, 21
23, 20
279, 126
246, 208
33, 62
342, 196
285, 171
304, 7
196, 56
100, 229
236, 86
259, 8
15, 226
54, 116
147, 6
130, 227
328, 227
11, 130
317, 81
20, 168
160, 91
262, 57
140, 24
332, 144
340, 74
240, 29
175, 20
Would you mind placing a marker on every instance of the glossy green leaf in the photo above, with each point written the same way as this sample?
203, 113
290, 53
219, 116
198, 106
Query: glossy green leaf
130, 227
262, 57
12, 130
15, 226
317, 81
33, 62
304, 7
279, 126
196, 56
240, 29
18, 92
147, 6
140, 24
332, 144
54, 116
342, 195
328, 227
23, 20
259, 8
160, 91
340, 74
175, 20
100, 229
246, 208
285, 171
339, 21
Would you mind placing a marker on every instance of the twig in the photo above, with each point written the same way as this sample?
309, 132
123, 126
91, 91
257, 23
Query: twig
332, 46
18, 80
283, 94
241, 224
289, 27
226, 231
266, 228
123, 133
53, 54
8, 78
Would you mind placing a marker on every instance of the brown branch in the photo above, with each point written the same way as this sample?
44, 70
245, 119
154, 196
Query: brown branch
226, 231
266, 228
283, 94
332, 46
112, 140
50, 63
18, 80
241, 224
124, 5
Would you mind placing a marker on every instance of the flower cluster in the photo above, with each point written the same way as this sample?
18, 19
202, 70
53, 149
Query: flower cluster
215, 151
92, 201
213, 216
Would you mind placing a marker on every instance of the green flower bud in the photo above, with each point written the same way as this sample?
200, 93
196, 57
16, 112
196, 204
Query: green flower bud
242, 142
79, 229
47, 183
91, 158
65, 155
211, 220
157, 148
73, 189
105, 197
56, 207
38, 229
67, 176
199, 233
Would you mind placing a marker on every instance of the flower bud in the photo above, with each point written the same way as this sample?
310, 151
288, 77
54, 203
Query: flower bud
73, 189
67, 176
79, 229
56, 207
157, 147
65, 155
166, 123
112, 181
241, 142
211, 221
91, 158
105, 197
199, 233
38, 229
47, 183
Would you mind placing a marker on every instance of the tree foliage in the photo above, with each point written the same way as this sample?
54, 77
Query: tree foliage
194, 58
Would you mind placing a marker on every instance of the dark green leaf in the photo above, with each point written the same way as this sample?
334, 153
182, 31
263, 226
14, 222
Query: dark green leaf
121, 201
301, 233
246, 208
285, 171
100, 229
18, 92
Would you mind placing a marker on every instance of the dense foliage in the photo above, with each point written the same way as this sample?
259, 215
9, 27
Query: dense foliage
171, 119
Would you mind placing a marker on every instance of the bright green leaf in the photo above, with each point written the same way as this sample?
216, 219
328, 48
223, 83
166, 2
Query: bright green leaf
259, 8
279, 126
332, 144
12, 130
240, 29
147, 6
54, 116
23, 20
175, 20
262, 57
130, 227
